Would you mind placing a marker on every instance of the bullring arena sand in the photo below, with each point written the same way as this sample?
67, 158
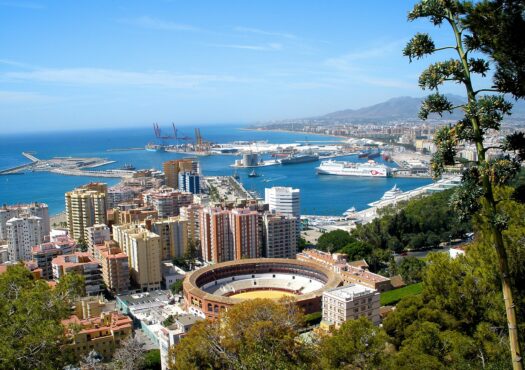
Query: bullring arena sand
270, 294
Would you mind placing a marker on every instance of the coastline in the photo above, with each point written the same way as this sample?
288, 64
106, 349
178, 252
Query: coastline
296, 132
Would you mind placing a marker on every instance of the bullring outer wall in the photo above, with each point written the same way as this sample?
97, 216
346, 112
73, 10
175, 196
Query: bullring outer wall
211, 304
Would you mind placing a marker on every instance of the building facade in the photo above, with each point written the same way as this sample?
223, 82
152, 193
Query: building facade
279, 236
83, 264
85, 207
216, 235
7, 212
43, 254
350, 302
173, 233
174, 167
96, 234
115, 270
22, 234
245, 233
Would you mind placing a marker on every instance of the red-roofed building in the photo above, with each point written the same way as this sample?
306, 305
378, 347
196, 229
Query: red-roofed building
103, 334
81, 263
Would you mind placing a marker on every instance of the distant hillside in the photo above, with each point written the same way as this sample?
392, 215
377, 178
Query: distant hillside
404, 107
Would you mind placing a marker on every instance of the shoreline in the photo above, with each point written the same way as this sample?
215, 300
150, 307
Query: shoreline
297, 132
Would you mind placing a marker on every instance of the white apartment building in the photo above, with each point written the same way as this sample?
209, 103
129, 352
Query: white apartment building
22, 234
97, 234
286, 201
7, 212
349, 302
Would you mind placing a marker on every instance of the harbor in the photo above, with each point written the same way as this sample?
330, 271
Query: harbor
323, 195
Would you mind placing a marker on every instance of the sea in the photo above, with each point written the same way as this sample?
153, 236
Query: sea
320, 195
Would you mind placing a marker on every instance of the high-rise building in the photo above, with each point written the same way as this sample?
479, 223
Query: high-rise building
96, 234
173, 233
7, 212
279, 234
167, 202
44, 253
245, 232
350, 302
115, 269
85, 207
191, 214
143, 248
83, 264
174, 167
22, 234
286, 201
137, 215
216, 235
190, 182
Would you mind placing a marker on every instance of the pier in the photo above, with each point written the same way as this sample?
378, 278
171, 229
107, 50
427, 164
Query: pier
70, 166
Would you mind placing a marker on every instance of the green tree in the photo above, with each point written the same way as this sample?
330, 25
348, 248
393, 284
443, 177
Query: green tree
255, 334
482, 114
411, 269
152, 360
82, 245
333, 241
357, 344
31, 334
176, 287
497, 29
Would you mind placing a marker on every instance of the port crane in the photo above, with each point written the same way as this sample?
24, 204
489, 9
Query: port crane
164, 138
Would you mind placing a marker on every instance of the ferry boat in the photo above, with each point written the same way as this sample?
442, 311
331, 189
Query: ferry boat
341, 168
392, 193
300, 158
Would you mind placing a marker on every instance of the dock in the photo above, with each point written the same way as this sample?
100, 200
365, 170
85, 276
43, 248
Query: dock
70, 166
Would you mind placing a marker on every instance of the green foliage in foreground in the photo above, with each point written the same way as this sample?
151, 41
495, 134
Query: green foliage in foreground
393, 296
31, 334
313, 318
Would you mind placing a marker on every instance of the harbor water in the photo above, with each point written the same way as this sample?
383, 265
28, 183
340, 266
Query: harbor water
320, 194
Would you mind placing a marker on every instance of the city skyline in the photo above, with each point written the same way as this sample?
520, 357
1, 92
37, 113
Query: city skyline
93, 65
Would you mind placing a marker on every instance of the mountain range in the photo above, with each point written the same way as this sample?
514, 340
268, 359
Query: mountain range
406, 108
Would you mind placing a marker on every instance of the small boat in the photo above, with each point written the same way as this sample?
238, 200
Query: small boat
236, 176
363, 154
253, 174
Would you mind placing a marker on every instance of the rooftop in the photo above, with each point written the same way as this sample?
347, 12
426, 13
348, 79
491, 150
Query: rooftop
349, 292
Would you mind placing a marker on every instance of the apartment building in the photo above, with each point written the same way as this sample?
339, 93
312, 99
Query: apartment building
43, 254
85, 207
83, 264
22, 234
279, 236
350, 302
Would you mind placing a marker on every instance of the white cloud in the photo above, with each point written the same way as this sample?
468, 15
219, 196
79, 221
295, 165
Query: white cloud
158, 24
99, 76
272, 46
265, 33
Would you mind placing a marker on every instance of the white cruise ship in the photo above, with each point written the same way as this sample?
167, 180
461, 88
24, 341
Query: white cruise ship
340, 168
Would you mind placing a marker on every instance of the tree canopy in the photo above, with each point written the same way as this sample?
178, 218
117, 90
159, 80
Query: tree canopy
31, 334
255, 334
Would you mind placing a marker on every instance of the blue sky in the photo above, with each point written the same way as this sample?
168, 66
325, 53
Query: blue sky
80, 64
